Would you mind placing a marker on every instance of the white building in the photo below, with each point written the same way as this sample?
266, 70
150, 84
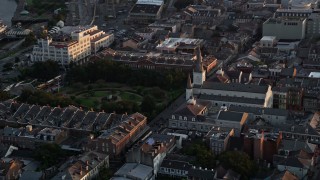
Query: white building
225, 94
267, 41
71, 44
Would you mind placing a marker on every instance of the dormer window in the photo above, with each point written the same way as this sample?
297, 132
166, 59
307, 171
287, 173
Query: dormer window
193, 119
185, 118
180, 117
173, 117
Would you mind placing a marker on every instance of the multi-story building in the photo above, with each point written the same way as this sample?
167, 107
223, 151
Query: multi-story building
85, 167
271, 115
152, 151
255, 4
191, 116
260, 145
146, 11
218, 139
311, 101
158, 61
28, 137
280, 97
169, 26
282, 12
10, 170
184, 45
230, 119
199, 14
287, 28
114, 141
71, 45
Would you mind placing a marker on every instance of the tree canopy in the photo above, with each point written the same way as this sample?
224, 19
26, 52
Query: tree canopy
49, 155
44, 98
43, 70
204, 156
4, 95
237, 161
180, 4
110, 71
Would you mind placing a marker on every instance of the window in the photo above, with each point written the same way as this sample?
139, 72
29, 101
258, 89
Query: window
193, 119
173, 117
185, 118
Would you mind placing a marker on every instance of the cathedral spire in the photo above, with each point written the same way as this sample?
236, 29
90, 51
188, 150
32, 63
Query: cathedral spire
189, 84
199, 66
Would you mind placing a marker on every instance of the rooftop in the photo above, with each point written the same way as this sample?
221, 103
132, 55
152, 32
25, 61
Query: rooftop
134, 170
235, 87
231, 116
175, 42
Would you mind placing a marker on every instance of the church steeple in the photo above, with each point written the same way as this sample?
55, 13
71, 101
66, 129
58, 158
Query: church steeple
199, 74
189, 90
189, 84
199, 65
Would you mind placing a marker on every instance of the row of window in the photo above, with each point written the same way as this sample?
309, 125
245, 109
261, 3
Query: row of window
184, 118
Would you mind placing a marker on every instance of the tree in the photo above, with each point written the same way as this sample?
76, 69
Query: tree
44, 98
44, 70
237, 161
104, 173
29, 40
204, 156
49, 155
148, 104
180, 4
4, 95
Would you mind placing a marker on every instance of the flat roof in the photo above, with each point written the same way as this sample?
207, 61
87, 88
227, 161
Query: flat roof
175, 42
314, 75
268, 38
230, 116
150, 2
135, 170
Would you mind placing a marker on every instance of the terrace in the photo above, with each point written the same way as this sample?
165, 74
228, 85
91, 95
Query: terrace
31, 114
20, 113
43, 114
101, 121
54, 118
88, 120
76, 119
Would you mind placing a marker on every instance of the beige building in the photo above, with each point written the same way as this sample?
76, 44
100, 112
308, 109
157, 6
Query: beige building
288, 28
71, 44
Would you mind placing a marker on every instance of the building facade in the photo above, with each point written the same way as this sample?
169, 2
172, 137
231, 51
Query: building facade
71, 47
285, 28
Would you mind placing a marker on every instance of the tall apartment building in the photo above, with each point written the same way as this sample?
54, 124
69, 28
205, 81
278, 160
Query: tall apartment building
313, 25
293, 12
71, 44
288, 28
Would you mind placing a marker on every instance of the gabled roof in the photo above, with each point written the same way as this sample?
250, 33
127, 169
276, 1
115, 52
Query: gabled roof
295, 145
188, 109
231, 116
235, 87
201, 173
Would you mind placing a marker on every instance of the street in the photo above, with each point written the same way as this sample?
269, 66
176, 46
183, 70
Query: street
162, 118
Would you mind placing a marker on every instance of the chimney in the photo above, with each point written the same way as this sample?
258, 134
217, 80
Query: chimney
87, 166
80, 170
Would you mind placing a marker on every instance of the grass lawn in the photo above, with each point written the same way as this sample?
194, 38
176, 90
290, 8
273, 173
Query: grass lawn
101, 93
29, 2
130, 96
88, 102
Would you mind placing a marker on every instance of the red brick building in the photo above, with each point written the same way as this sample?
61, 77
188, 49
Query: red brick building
114, 141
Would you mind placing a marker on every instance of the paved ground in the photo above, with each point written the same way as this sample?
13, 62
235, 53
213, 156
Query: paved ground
162, 119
